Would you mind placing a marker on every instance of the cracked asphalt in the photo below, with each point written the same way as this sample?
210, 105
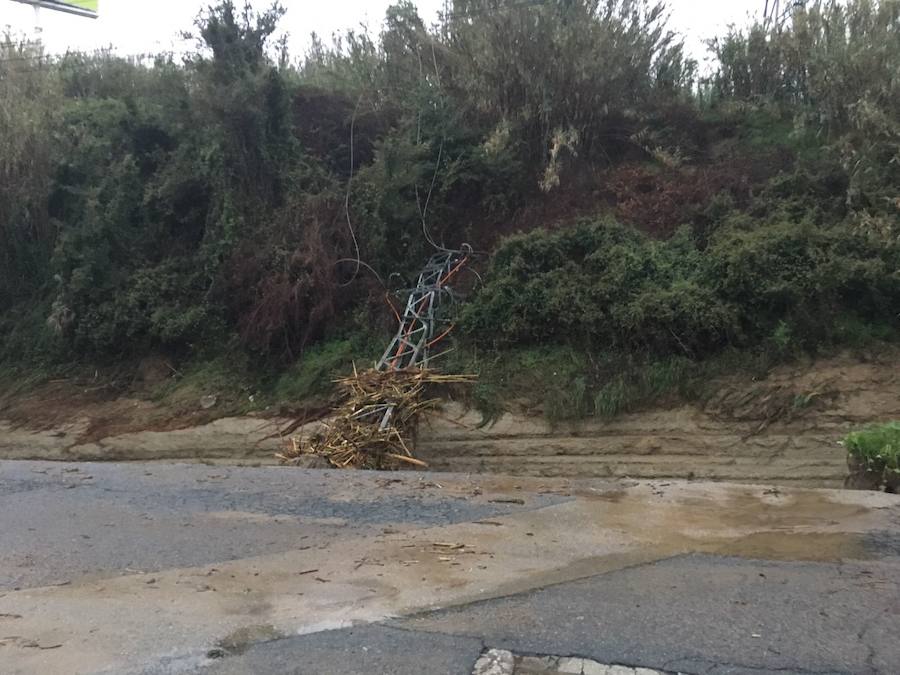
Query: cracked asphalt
703, 614
691, 614
153, 568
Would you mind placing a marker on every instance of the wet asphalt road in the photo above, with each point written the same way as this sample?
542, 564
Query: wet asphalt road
691, 614
61, 523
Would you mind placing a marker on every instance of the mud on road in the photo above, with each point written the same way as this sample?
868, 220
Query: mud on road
123, 568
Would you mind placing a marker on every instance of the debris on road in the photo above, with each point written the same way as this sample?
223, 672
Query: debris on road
375, 427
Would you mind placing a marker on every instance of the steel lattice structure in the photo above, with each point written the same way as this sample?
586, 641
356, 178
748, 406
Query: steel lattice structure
410, 347
417, 332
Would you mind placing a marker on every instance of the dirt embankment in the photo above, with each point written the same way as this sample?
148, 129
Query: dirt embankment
784, 428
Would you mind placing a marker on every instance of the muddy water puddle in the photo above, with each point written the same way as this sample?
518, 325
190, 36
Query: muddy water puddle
755, 524
801, 526
792, 546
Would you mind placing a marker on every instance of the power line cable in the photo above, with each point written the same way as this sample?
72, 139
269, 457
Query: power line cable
347, 196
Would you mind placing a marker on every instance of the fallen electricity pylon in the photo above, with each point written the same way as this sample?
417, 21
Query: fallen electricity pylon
375, 426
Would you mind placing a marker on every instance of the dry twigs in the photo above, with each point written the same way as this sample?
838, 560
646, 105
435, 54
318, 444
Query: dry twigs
375, 427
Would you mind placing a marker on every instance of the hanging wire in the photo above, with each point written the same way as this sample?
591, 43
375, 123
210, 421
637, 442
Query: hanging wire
359, 262
423, 210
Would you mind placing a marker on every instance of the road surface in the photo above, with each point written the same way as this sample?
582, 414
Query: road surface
188, 568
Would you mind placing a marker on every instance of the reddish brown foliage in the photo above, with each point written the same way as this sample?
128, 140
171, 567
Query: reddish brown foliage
659, 201
655, 199
284, 292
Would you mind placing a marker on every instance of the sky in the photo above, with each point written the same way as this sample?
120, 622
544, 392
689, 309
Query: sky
151, 26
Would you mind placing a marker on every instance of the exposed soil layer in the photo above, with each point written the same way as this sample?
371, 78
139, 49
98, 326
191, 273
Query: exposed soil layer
783, 428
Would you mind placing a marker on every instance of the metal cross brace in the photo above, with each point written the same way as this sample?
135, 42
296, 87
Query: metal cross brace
415, 336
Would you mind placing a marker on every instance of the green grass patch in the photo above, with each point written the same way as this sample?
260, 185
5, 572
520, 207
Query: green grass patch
310, 379
16, 381
877, 447
230, 377
566, 383
553, 378
242, 384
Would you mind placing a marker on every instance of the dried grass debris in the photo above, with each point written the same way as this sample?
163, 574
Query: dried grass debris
375, 426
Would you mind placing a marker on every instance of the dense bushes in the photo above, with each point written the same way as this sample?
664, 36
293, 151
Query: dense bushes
806, 276
232, 198
608, 287
579, 76
28, 113
834, 68
603, 284
154, 178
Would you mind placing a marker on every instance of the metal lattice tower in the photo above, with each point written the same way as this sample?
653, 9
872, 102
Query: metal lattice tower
417, 332
410, 347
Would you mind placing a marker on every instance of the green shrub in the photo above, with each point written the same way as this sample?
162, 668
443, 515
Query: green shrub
798, 280
877, 447
311, 376
607, 285
602, 283
26, 339
156, 307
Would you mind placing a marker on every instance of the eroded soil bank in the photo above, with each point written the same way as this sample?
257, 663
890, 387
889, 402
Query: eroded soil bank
783, 428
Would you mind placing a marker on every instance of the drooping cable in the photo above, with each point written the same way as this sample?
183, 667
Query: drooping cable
347, 197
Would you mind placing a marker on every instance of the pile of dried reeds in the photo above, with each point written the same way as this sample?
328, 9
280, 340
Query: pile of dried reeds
375, 426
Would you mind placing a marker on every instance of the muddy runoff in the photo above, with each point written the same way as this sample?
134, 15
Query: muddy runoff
189, 615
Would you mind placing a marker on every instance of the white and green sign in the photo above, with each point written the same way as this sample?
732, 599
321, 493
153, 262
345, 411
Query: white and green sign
86, 8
